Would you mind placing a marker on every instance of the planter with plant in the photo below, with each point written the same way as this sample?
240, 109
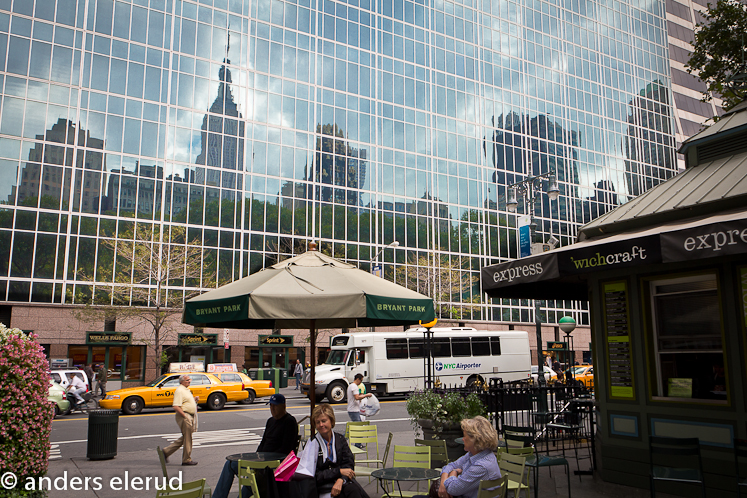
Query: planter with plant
439, 416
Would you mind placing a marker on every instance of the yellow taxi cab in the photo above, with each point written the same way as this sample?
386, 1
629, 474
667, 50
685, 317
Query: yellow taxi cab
227, 372
212, 392
584, 374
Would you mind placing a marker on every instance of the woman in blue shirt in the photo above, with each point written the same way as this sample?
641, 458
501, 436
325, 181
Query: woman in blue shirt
462, 477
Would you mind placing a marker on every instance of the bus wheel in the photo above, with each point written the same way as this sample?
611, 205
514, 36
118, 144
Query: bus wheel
474, 380
336, 392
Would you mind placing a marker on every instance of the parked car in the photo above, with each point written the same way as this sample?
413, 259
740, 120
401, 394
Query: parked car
550, 375
64, 376
58, 396
255, 388
213, 393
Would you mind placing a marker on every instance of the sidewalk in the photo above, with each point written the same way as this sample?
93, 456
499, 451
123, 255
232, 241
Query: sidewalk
144, 464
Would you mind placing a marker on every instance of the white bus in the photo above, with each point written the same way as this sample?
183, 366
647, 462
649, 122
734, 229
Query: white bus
393, 362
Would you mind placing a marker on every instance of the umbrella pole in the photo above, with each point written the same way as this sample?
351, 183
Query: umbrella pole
312, 381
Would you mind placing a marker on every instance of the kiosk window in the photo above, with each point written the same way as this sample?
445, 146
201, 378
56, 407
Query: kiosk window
481, 346
688, 345
495, 346
461, 347
395, 349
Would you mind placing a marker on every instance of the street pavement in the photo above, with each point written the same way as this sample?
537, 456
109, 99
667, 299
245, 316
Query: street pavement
127, 475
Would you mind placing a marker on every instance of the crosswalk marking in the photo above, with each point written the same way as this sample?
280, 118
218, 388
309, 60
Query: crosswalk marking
207, 439
54, 452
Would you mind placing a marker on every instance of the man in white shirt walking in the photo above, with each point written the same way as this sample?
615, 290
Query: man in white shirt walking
354, 398
185, 406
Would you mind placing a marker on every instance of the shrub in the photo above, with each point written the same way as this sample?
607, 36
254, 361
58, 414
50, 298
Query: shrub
25, 412
440, 409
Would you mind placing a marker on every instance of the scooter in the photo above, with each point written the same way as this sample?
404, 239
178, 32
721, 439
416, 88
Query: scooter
83, 406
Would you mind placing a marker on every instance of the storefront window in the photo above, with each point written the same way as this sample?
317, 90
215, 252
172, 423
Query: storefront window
115, 363
251, 357
79, 355
134, 367
688, 338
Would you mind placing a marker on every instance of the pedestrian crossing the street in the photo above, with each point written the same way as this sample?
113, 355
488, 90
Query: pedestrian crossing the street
207, 439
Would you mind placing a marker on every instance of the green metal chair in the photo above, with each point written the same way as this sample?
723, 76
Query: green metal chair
364, 467
206, 491
512, 466
439, 452
493, 488
675, 460
247, 477
193, 489
522, 437
412, 456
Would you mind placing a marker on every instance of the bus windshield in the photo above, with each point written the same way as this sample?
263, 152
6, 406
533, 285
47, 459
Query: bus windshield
337, 357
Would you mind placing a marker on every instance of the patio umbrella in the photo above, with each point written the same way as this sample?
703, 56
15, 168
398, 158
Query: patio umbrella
308, 291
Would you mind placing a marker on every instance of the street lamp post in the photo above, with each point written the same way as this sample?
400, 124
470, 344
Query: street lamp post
567, 325
391, 244
528, 189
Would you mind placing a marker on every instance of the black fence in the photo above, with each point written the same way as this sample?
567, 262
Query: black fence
555, 413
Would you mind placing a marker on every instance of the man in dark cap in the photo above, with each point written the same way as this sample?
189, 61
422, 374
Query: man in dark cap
281, 436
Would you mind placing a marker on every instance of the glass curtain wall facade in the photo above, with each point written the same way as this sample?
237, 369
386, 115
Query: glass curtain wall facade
254, 126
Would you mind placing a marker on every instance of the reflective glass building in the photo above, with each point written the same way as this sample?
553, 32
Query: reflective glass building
254, 126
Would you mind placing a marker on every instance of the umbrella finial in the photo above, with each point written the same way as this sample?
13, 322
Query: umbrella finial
312, 246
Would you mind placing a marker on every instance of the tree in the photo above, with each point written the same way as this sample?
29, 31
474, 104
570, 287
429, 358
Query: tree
719, 54
147, 276
446, 281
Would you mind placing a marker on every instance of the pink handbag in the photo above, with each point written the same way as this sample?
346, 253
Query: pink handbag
287, 467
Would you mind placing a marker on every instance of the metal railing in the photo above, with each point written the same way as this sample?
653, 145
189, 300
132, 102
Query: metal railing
526, 405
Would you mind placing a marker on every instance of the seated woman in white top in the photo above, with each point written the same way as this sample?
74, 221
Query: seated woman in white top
329, 457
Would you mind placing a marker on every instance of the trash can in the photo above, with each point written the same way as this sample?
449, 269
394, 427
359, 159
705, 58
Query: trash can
103, 427
272, 374
253, 373
283, 377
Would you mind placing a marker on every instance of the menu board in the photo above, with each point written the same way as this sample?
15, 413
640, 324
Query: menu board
617, 330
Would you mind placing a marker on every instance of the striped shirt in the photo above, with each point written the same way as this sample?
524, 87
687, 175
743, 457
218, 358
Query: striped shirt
475, 468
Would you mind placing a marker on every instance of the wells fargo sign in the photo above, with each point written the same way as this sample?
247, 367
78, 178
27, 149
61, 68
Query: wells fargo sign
109, 338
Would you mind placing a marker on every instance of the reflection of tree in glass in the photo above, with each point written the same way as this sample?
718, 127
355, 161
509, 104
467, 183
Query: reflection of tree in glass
145, 277
446, 280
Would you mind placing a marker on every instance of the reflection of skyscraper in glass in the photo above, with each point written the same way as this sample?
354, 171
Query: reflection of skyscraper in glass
338, 164
222, 135
350, 123
689, 111
649, 127
50, 183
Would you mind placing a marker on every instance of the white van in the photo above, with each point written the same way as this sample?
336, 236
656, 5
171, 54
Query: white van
393, 362
64, 376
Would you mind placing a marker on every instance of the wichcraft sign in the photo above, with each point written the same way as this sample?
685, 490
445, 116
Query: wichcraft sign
707, 241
